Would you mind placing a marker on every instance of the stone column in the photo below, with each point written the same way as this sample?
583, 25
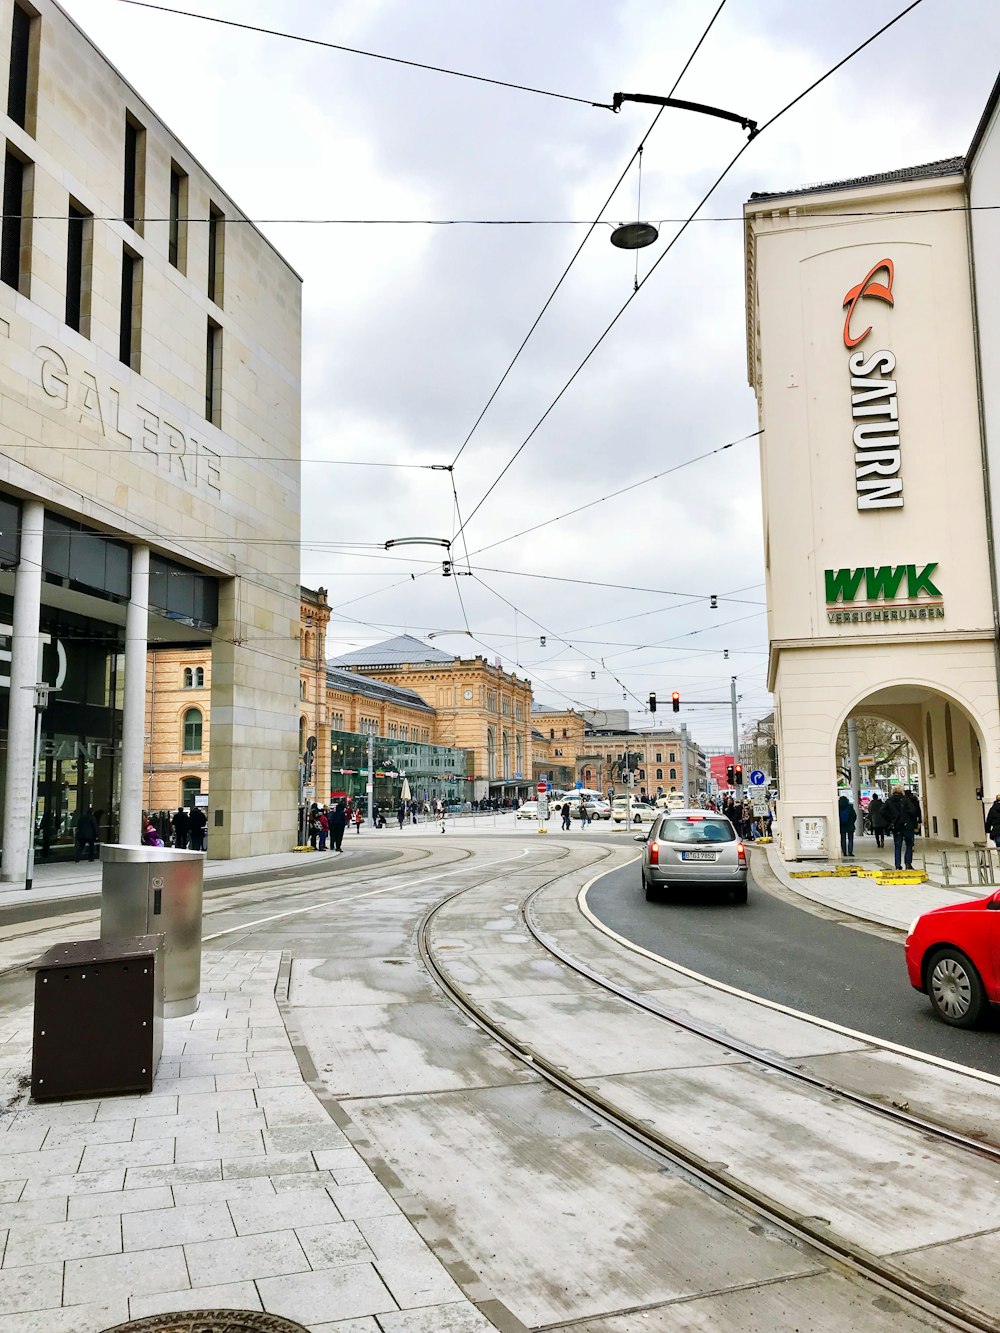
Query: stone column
134, 711
18, 818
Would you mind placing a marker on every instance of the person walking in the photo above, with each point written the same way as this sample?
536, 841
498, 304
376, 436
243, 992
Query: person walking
199, 828
313, 825
324, 828
338, 822
85, 837
902, 813
181, 824
993, 822
566, 816
584, 813
401, 815
876, 815
358, 818
848, 821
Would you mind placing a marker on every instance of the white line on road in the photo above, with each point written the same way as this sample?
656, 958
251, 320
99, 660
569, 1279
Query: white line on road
386, 888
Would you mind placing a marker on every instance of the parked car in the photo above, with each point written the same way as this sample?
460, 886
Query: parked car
637, 811
527, 810
692, 849
671, 800
597, 807
953, 956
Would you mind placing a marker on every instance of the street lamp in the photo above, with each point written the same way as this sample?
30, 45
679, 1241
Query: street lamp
42, 692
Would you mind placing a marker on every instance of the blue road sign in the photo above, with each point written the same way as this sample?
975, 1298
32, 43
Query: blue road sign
757, 778
579, 786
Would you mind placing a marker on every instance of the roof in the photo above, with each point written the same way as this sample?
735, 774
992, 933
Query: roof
400, 651
352, 683
946, 166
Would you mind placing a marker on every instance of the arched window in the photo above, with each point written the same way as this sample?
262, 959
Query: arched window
192, 731
491, 752
949, 739
199, 678
302, 734
673, 774
302, 687
188, 678
505, 742
190, 788
659, 772
929, 729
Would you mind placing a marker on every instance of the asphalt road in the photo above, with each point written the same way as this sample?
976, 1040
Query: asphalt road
840, 972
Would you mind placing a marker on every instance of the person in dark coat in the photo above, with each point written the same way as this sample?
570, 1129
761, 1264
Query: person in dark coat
86, 835
902, 814
199, 825
181, 824
993, 822
338, 822
848, 822
876, 813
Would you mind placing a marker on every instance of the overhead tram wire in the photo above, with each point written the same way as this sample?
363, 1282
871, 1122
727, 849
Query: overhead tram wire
590, 230
368, 55
668, 249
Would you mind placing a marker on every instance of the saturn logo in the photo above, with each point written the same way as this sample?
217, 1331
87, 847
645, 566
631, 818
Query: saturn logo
882, 291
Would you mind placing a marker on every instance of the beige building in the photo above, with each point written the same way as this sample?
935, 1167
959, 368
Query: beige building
479, 707
862, 346
149, 445
654, 758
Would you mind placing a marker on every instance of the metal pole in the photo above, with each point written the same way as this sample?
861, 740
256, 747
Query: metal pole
684, 763
302, 801
736, 727
41, 699
852, 760
371, 777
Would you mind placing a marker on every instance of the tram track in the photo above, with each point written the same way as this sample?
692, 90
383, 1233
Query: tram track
931, 1298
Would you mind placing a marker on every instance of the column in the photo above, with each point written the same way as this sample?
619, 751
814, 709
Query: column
134, 711
18, 818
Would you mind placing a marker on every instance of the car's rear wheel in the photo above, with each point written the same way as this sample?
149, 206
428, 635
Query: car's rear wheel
650, 888
954, 988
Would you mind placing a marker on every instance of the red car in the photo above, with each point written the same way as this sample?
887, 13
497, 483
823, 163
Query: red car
953, 955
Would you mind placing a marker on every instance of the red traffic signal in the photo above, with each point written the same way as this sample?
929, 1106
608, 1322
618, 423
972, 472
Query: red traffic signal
675, 701
738, 774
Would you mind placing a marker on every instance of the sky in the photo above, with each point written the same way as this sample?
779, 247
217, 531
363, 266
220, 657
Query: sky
409, 328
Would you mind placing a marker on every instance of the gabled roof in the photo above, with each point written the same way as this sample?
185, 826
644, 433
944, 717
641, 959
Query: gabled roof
393, 652
353, 683
946, 166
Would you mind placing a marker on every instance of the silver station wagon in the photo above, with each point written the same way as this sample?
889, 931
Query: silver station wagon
692, 849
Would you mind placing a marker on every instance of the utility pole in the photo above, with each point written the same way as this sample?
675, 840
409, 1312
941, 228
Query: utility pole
684, 763
736, 728
852, 760
371, 778
42, 692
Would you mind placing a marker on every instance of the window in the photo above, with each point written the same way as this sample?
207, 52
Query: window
659, 759
505, 706
337, 721
192, 731
134, 173
20, 89
519, 712
552, 733
188, 678
190, 788
302, 688
213, 374
194, 678
79, 267
216, 235
930, 746
15, 236
672, 757
131, 309
491, 752
673, 774
949, 739
659, 771
177, 236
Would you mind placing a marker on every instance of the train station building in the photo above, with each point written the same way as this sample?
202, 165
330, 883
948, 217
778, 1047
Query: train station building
873, 337
149, 459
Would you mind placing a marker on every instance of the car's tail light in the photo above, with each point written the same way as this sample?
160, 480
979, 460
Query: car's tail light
741, 853
654, 853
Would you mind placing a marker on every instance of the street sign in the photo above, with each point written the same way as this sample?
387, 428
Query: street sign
757, 778
518, 777
543, 788
579, 786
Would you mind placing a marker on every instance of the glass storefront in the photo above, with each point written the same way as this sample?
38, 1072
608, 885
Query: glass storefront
434, 772
78, 765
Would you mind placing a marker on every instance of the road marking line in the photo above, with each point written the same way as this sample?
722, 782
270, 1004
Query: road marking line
879, 1042
297, 911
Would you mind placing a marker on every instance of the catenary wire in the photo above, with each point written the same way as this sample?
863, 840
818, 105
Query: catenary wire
368, 55
668, 249
573, 258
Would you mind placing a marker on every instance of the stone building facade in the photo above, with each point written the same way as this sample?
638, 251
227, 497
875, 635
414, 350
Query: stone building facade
149, 446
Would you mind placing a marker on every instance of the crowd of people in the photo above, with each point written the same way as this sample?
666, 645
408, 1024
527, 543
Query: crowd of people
899, 815
184, 830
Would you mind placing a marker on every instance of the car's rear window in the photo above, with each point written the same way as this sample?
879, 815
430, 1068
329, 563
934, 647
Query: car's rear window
686, 829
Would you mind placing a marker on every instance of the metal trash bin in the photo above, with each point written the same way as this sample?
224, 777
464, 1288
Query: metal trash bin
98, 1019
157, 890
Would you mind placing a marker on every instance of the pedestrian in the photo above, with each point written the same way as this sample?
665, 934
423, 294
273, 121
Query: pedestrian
199, 829
86, 835
401, 815
324, 828
338, 822
358, 817
566, 816
876, 815
584, 813
993, 822
313, 825
902, 813
181, 824
848, 821
150, 837
444, 816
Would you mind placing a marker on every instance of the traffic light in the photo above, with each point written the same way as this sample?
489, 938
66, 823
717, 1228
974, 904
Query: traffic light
307, 766
738, 774
652, 703
729, 775
675, 701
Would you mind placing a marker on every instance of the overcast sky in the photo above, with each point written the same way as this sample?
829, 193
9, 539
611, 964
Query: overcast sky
408, 329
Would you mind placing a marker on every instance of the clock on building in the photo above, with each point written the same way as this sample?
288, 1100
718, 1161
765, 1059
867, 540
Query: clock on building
468, 694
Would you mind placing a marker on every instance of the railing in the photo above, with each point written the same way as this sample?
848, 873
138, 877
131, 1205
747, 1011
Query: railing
964, 867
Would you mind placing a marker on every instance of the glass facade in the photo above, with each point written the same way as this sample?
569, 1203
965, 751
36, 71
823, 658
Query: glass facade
79, 763
434, 772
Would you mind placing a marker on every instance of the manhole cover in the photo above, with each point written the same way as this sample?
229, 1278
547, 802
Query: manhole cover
210, 1321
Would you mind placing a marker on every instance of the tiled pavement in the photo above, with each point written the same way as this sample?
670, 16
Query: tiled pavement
227, 1186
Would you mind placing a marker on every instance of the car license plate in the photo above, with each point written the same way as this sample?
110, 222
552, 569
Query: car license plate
698, 856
